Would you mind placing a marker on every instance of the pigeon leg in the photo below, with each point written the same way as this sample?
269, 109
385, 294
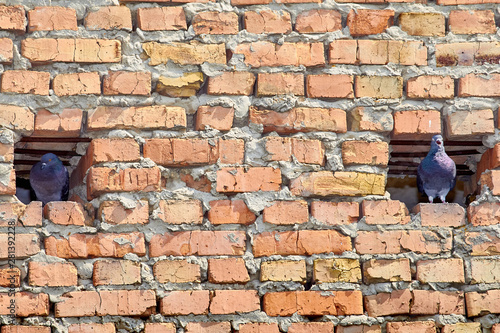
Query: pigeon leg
443, 199
431, 199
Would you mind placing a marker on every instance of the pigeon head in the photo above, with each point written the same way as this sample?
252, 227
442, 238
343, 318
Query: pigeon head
437, 143
49, 160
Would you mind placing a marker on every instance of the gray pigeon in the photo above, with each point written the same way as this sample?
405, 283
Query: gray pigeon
437, 173
49, 179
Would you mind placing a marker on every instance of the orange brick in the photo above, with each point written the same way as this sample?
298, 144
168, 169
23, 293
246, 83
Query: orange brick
283, 270
176, 271
25, 329
181, 211
230, 270
386, 270
41, 50
479, 85
96, 245
398, 241
335, 213
377, 52
495, 328
267, 21
18, 214
440, 215
378, 86
419, 124
229, 212
300, 120
234, 301
57, 274
217, 117
116, 272
362, 152
484, 271
215, 23
358, 329
92, 328
462, 327
330, 86
286, 212
479, 304
470, 22
161, 18
385, 212
258, 54
10, 187
114, 212
192, 53
13, 18
209, 327
343, 51
467, 54
50, 18
370, 119
415, 326
336, 270
486, 213
236, 180
159, 328
311, 327
269, 84
77, 84
109, 18
68, 123
26, 304
429, 302
259, 328
231, 83
318, 21
6, 50
187, 302
202, 243
431, 86
66, 213
26, 245
303, 242
25, 82
491, 179
489, 160
470, 123
483, 243
10, 277
441, 270
388, 304
369, 21
127, 83
422, 24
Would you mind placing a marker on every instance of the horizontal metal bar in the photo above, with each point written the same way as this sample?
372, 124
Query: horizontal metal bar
40, 152
414, 172
33, 162
53, 139
415, 165
428, 143
423, 153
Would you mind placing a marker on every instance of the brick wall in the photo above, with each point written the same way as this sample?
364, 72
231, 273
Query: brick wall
234, 177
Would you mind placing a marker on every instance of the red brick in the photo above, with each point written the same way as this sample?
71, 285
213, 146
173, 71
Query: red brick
429, 302
161, 18
199, 182
258, 54
114, 212
229, 270
484, 271
491, 179
96, 245
41, 50
470, 123
415, 326
359, 329
440, 215
486, 213
422, 24
215, 23
400, 241
335, 213
259, 328
385, 212
495, 328
462, 328
302, 242
116, 272
92, 328
68, 123
127, 83
18, 214
362, 152
181, 302
300, 120
378, 86
7, 152
369, 21
19, 119
67, 213
470, 22
489, 160
202, 243
109, 18
209, 327
249, 2
483, 243
311, 327
467, 54
480, 85
52, 18
229, 212
479, 304
159, 328
10, 277
286, 212
343, 51
386, 270
13, 18
57, 274
280, 304
430, 86
181, 211
231, 83
6, 50
416, 125
26, 304
176, 271
267, 21
26, 245
25, 329
318, 21
236, 180
441, 270
234, 301
217, 117
269, 84
25, 82
10, 188
77, 84
388, 304
182, 53
330, 86
283, 270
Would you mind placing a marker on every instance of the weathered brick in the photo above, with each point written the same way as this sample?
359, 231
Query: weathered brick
228, 270
369, 21
330, 86
495, 328
441, 270
363, 152
161, 18
77, 84
480, 85
484, 270
10, 277
185, 302
335, 213
68, 123
429, 302
234, 301
385, 212
470, 123
283, 270
209, 327
440, 215
267, 21
378, 86
231, 83
302, 242
18, 214
300, 120
181, 211
114, 212
116, 272
422, 24
336, 270
50, 18
386, 270
370, 119
417, 124
215, 23
491, 178
483, 243
6, 50
269, 84
109, 18
462, 328
193, 53
159, 328
25, 329
217, 117
430, 86
344, 183
92, 328
489, 160
486, 213
229, 212
326, 327
96, 245
57, 274
67, 213
413, 326
236, 180
343, 51
26, 245
17, 118
286, 212
13, 18
470, 22
318, 21
259, 328
358, 329
10, 187
176, 271
388, 304
127, 83
202, 243
479, 304
26, 304
25, 82
258, 54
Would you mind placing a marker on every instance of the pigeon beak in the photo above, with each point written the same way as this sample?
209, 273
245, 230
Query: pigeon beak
438, 142
43, 165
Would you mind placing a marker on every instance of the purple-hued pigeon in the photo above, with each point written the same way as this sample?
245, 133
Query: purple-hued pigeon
49, 179
436, 174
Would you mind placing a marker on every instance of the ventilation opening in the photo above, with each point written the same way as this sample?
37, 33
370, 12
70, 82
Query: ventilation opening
404, 161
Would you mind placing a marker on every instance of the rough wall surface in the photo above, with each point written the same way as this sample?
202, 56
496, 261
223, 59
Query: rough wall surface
235, 179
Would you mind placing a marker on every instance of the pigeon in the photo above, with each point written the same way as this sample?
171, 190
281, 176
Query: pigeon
437, 173
49, 179
24, 192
